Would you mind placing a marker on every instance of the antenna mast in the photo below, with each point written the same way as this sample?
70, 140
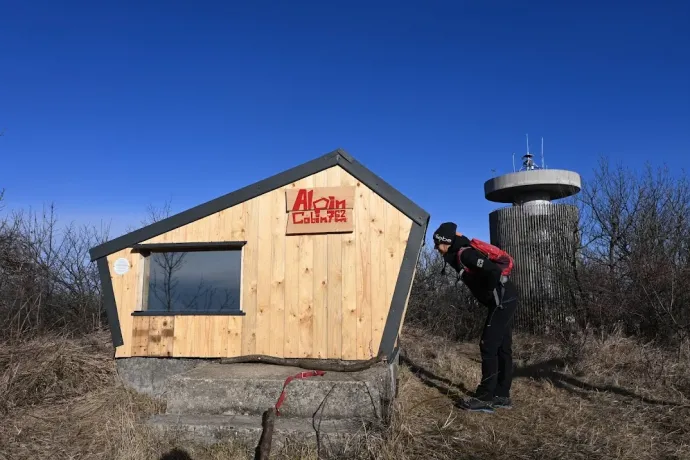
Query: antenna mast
528, 163
513, 161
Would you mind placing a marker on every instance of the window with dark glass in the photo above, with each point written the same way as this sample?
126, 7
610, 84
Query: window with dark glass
193, 281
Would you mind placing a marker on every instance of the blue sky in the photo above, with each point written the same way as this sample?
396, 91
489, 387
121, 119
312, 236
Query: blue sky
108, 107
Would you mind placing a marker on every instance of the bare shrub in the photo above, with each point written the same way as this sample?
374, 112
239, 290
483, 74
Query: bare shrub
47, 282
633, 266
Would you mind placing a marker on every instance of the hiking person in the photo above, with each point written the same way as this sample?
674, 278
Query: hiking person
483, 268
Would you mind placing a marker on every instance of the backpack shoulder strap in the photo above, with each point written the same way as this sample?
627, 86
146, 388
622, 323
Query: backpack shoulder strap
460, 251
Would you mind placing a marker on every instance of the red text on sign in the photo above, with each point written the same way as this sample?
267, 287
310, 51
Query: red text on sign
305, 202
319, 216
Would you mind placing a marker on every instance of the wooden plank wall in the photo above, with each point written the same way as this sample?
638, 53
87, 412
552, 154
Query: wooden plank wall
320, 296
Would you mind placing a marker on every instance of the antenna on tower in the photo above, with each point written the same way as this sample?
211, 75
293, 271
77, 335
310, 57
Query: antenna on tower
513, 161
542, 152
527, 162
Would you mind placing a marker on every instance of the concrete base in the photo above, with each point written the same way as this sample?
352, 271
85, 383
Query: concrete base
150, 375
209, 402
249, 389
246, 430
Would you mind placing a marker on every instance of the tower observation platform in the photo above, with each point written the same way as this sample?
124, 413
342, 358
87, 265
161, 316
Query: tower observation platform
542, 237
532, 186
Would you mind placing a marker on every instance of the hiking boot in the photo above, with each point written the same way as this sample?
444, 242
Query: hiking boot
502, 402
475, 405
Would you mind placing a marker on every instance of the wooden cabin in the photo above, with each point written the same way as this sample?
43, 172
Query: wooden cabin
314, 262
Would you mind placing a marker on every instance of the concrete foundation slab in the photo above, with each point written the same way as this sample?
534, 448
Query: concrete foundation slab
249, 389
211, 429
209, 402
150, 375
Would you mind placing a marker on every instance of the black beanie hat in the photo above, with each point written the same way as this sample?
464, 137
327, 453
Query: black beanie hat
445, 233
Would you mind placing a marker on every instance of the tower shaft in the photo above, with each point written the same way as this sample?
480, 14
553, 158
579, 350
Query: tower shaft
542, 237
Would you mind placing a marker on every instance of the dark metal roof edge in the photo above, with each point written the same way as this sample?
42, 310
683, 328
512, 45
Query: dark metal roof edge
389, 193
402, 288
337, 157
109, 303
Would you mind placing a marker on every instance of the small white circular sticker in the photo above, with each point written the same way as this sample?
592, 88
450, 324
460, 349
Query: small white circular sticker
121, 266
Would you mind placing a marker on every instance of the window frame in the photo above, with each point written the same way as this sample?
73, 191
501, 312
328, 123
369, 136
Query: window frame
145, 250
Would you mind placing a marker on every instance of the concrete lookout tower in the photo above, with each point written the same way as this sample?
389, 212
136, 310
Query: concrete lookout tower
540, 235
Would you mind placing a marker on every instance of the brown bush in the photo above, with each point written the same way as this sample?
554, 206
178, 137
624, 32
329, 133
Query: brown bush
47, 282
633, 269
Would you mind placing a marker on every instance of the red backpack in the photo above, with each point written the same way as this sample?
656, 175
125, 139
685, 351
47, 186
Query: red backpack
493, 253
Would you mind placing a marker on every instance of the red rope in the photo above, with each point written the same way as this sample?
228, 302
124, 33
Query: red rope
301, 375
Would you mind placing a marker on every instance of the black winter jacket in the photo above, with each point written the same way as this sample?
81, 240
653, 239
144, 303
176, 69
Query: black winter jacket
485, 276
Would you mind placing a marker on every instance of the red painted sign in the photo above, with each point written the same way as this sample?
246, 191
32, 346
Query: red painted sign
320, 210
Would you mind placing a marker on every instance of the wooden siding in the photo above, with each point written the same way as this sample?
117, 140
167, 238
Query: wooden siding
319, 296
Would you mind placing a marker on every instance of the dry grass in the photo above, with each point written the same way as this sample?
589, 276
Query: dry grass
63, 400
619, 400
51, 370
607, 398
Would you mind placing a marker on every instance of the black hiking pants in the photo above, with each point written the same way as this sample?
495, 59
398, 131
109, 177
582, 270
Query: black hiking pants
497, 352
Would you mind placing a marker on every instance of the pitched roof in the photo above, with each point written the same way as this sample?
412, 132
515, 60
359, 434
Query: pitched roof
337, 157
